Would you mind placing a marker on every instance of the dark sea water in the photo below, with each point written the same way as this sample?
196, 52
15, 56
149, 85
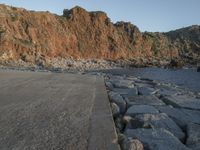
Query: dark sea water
187, 78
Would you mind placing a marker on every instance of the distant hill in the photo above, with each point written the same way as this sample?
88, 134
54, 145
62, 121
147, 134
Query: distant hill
31, 36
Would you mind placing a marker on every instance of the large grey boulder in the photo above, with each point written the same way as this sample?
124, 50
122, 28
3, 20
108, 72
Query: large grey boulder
141, 109
116, 77
122, 83
156, 139
156, 121
144, 100
167, 90
126, 92
183, 101
146, 90
193, 133
118, 99
181, 116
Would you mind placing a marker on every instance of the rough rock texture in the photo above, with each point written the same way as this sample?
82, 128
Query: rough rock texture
193, 132
181, 116
187, 40
166, 116
183, 101
156, 139
141, 109
142, 100
156, 121
122, 83
38, 37
130, 92
118, 99
115, 109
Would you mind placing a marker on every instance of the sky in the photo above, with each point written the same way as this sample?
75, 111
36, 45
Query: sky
148, 15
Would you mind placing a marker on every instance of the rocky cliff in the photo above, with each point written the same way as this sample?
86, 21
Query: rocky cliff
34, 36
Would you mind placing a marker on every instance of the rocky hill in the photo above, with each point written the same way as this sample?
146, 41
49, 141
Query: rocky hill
33, 37
187, 41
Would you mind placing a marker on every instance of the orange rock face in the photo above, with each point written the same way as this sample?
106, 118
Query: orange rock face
29, 35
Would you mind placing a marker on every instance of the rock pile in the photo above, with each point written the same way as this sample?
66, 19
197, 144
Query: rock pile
54, 64
153, 115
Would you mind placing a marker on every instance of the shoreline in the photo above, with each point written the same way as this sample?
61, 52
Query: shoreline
82, 65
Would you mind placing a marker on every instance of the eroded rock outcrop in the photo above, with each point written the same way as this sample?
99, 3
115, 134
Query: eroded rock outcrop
37, 37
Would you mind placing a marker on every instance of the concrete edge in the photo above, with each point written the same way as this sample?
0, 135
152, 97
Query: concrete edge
103, 135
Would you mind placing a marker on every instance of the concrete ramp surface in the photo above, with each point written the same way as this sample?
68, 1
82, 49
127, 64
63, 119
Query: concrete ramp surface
51, 111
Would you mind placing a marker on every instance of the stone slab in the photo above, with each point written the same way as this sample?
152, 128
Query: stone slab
126, 92
181, 116
156, 121
183, 101
141, 109
144, 100
156, 139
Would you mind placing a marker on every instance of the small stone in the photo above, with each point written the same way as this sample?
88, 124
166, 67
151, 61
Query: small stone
132, 144
126, 119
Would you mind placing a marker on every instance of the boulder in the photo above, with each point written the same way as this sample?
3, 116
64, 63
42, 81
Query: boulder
183, 101
181, 116
144, 100
126, 92
156, 121
122, 83
193, 133
117, 99
146, 90
141, 109
115, 109
119, 124
156, 139
166, 89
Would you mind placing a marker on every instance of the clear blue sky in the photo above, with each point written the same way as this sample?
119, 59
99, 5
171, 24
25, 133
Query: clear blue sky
148, 15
